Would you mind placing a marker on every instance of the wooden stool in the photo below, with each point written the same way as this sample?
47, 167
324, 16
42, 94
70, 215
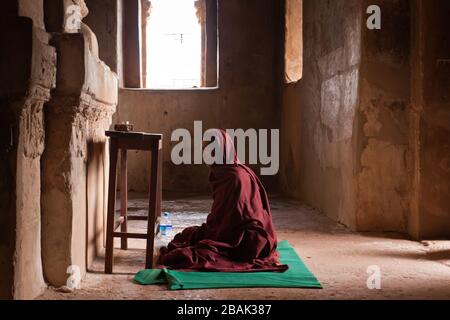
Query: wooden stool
132, 141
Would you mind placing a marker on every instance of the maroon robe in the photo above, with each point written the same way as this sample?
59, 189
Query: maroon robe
238, 234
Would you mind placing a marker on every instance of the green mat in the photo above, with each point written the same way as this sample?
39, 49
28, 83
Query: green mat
297, 276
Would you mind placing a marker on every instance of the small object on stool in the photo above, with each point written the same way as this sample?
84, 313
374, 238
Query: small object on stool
124, 141
124, 127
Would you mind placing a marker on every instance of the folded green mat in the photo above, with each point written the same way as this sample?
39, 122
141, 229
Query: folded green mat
297, 276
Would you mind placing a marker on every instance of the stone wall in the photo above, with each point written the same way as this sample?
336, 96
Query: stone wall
319, 113
368, 123
430, 121
348, 117
382, 130
245, 98
102, 20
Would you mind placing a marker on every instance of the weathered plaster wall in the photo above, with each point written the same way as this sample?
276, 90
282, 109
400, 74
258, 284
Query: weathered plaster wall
102, 20
348, 116
382, 135
245, 97
320, 111
368, 124
430, 121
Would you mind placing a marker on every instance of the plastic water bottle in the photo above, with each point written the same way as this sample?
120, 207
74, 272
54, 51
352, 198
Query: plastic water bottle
165, 227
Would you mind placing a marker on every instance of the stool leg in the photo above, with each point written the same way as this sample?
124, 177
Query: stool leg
159, 191
111, 206
153, 203
123, 197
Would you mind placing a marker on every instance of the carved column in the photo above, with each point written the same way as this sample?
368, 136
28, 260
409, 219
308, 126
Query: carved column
74, 162
28, 63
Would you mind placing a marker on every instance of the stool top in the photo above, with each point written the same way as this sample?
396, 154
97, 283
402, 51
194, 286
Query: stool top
133, 135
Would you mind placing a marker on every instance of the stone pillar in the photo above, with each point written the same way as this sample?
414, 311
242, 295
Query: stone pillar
74, 161
27, 63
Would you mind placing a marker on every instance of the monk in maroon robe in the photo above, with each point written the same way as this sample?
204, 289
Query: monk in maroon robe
238, 235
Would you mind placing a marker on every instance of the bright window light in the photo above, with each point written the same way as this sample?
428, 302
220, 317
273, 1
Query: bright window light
173, 45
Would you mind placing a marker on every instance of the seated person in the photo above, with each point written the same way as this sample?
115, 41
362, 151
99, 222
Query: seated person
238, 235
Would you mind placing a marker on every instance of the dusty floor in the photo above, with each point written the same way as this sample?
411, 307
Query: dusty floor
339, 258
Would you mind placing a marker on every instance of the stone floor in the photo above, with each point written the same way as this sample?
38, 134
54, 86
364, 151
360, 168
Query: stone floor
339, 258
